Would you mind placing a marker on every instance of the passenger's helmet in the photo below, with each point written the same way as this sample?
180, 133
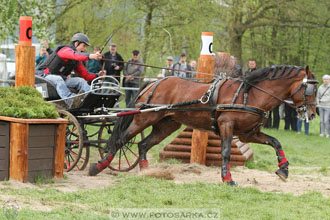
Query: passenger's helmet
81, 38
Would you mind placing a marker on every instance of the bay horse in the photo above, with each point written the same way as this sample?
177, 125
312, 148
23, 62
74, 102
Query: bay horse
229, 107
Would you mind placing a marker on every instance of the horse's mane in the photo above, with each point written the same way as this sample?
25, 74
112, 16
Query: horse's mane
270, 73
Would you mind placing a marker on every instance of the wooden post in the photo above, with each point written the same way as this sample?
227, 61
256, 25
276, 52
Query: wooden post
25, 55
205, 65
59, 151
19, 139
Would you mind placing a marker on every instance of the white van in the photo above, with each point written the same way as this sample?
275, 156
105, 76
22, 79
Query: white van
9, 51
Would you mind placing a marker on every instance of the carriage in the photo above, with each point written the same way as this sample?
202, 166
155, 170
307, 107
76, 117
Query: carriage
90, 126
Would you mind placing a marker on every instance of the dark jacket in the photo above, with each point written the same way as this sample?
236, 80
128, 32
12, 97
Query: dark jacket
94, 66
110, 65
64, 60
133, 70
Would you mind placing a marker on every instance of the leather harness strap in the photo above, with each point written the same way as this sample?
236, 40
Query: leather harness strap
210, 97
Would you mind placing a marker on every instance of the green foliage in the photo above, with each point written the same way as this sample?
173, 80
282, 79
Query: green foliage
42, 12
25, 102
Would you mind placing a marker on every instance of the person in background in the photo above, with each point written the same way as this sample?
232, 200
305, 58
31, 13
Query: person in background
299, 126
290, 119
113, 67
58, 67
180, 68
252, 65
193, 65
94, 65
43, 54
44, 43
132, 73
275, 112
169, 65
323, 103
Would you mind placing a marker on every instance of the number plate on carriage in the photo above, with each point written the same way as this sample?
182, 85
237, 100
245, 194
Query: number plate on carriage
42, 88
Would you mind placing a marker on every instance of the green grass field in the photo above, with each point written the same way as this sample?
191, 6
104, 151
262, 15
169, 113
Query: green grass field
131, 191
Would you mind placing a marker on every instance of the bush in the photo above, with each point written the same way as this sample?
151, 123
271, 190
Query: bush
25, 102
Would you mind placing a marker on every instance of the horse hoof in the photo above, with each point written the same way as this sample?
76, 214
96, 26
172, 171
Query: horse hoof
283, 174
93, 171
231, 183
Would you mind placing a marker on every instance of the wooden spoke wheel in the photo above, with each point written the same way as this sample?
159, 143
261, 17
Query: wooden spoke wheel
127, 157
76, 155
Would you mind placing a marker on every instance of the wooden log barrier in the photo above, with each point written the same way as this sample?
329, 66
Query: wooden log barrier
180, 148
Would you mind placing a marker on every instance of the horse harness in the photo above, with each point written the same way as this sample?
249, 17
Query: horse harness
210, 96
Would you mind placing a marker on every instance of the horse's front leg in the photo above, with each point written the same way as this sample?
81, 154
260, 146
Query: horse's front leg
226, 131
283, 163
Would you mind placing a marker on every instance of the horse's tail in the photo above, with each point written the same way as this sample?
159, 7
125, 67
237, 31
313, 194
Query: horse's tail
118, 138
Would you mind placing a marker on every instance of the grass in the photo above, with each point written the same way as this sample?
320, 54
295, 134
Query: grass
300, 149
143, 192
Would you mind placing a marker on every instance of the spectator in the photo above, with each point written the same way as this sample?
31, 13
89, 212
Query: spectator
252, 65
323, 103
58, 67
193, 65
180, 68
132, 73
306, 126
94, 65
112, 67
290, 119
43, 54
276, 117
44, 43
169, 65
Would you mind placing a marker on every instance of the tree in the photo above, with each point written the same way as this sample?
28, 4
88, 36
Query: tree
40, 10
243, 16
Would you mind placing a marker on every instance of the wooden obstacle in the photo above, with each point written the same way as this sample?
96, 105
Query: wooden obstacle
180, 149
31, 147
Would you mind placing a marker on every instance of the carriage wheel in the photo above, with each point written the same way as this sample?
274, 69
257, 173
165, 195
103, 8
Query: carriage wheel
75, 154
127, 157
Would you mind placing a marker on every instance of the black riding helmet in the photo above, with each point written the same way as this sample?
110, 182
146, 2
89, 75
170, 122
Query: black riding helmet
81, 38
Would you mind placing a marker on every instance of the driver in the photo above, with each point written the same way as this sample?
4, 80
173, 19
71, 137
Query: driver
58, 68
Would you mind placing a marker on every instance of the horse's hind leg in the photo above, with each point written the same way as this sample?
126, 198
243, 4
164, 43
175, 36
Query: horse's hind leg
159, 132
120, 136
283, 163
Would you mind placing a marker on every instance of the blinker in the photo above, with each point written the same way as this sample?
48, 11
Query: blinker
309, 89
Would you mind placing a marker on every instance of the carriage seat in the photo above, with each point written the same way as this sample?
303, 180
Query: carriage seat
46, 86
49, 86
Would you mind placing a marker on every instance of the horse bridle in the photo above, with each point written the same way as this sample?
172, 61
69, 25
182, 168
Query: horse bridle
309, 88
307, 84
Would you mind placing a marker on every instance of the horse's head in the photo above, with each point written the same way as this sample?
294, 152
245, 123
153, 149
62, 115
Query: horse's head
304, 95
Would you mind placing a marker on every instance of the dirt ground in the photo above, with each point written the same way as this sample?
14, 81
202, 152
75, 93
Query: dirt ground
190, 173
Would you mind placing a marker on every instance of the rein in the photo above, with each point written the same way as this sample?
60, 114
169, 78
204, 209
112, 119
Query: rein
271, 94
157, 67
